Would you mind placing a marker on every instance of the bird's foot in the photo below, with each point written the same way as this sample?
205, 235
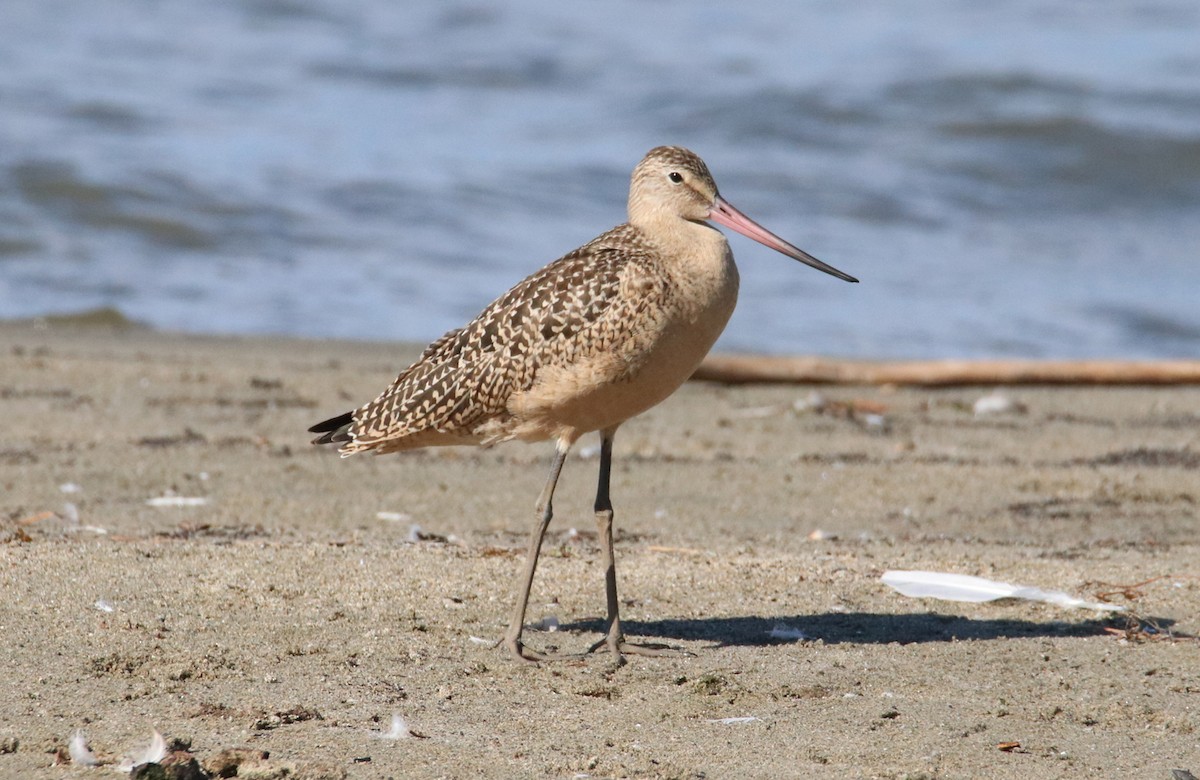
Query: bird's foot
517, 649
621, 648
617, 646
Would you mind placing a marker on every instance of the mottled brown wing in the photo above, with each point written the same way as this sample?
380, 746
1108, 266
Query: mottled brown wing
465, 378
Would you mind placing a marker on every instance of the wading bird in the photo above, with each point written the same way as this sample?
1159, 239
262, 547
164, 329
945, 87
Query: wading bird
591, 340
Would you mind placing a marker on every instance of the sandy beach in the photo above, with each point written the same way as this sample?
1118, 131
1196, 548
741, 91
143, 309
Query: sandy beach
177, 557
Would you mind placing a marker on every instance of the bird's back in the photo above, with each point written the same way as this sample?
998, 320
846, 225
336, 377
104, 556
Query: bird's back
586, 305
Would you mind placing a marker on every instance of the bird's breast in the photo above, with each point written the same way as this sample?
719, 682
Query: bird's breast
670, 316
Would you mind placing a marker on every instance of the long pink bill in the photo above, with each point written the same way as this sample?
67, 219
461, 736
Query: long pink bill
725, 214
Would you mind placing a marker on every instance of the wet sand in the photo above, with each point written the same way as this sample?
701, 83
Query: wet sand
286, 614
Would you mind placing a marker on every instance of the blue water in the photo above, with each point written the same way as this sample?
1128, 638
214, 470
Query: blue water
1014, 178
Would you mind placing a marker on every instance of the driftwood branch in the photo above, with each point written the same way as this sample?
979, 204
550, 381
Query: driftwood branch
743, 369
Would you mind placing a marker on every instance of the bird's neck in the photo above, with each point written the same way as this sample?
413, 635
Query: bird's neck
681, 239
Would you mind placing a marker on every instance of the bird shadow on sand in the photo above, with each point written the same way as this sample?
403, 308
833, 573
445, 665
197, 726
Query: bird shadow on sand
854, 628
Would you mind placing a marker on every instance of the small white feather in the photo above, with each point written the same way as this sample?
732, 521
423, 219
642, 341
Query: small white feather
154, 753
80, 753
963, 587
548, 623
399, 728
786, 632
994, 403
170, 501
733, 721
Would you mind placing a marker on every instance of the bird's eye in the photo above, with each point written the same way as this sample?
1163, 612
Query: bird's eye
675, 177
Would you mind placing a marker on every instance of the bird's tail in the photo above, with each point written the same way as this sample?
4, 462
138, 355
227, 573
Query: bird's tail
335, 430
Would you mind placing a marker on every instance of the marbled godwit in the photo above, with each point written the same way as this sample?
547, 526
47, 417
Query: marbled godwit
592, 339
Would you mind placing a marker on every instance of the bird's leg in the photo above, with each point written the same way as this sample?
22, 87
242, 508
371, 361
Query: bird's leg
545, 511
615, 638
604, 518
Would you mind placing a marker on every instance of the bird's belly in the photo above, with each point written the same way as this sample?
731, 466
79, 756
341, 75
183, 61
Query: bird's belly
601, 391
